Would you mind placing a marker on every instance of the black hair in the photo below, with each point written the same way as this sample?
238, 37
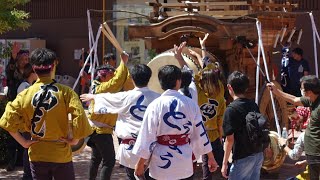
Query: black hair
239, 82
107, 67
168, 76
140, 74
311, 83
20, 54
184, 38
42, 57
186, 78
27, 71
109, 56
298, 51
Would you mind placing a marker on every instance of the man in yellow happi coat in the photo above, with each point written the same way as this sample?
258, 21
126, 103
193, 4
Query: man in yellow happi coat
43, 110
101, 141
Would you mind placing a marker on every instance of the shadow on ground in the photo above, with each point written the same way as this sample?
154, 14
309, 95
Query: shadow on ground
82, 161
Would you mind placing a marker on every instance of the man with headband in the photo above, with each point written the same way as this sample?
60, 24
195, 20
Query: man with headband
108, 80
43, 110
130, 106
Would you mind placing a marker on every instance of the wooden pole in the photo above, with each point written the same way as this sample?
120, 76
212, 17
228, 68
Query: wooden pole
103, 20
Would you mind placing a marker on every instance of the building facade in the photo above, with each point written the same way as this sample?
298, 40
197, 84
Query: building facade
63, 25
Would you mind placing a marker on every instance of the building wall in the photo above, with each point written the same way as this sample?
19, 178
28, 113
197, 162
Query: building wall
304, 22
63, 24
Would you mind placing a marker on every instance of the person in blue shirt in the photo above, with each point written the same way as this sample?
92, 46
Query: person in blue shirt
297, 68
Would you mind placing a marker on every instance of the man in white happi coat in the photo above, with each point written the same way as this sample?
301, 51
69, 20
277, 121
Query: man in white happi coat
130, 106
171, 130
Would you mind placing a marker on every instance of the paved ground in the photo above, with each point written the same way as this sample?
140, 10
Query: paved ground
81, 163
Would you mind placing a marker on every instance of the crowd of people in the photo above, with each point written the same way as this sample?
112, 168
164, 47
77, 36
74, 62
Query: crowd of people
161, 135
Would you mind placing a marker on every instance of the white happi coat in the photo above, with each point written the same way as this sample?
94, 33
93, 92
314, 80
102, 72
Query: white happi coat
130, 106
171, 114
193, 91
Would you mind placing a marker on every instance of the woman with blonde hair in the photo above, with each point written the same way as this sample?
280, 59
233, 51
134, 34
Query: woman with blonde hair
210, 89
212, 105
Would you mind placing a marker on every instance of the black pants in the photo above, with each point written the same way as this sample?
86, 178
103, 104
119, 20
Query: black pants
48, 171
26, 164
15, 153
217, 150
130, 174
102, 150
314, 167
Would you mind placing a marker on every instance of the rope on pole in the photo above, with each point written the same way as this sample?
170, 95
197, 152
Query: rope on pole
258, 25
315, 35
87, 59
91, 37
95, 62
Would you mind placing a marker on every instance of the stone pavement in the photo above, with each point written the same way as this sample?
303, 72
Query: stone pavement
81, 165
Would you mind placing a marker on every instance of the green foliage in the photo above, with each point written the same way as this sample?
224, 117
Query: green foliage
151, 54
5, 50
12, 18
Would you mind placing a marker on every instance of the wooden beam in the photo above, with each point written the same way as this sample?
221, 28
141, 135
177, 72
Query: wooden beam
192, 4
213, 13
274, 5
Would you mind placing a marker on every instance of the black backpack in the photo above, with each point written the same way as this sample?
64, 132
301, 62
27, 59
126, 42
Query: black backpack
256, 127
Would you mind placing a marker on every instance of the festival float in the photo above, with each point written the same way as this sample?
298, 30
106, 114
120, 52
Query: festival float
243, 36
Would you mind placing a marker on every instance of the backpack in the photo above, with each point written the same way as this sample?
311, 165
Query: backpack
256, 127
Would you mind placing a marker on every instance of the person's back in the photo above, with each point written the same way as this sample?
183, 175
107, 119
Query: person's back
212, 105
43, 110
247, 160
238, 109
57, 104
170, 123
177, 113
130, 107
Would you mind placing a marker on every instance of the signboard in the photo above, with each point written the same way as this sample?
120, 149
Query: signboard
136, 48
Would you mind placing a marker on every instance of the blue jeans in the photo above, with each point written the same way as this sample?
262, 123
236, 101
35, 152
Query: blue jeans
247, 168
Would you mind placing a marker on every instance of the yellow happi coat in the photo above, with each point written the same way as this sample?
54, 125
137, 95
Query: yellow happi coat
114, 85
212, 109
51, 122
